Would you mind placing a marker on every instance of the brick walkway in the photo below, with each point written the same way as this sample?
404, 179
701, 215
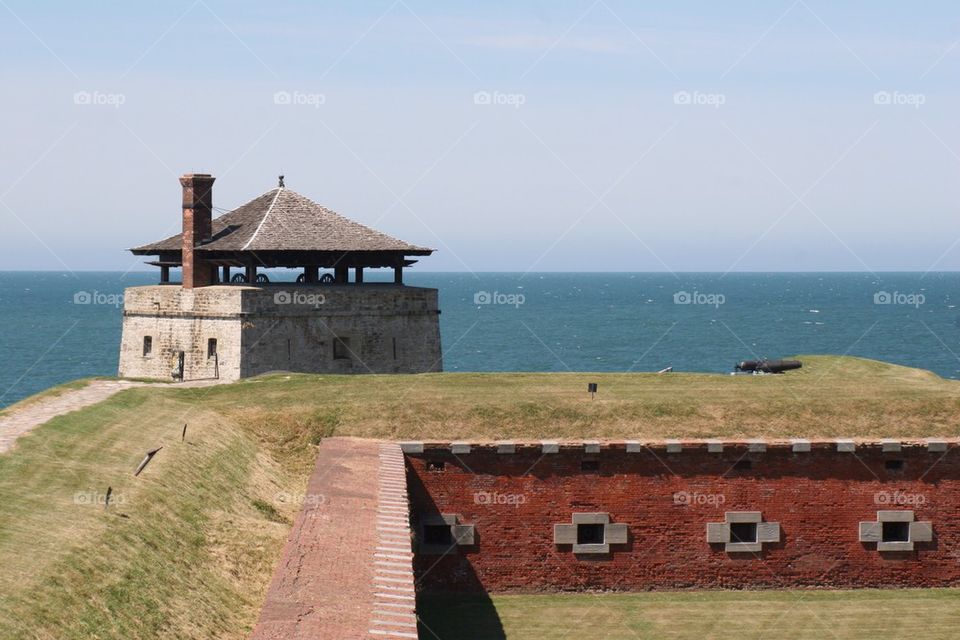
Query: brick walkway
332, 580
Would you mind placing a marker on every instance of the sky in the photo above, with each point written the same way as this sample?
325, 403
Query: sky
595, 135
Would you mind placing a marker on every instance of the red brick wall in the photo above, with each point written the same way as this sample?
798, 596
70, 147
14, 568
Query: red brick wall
818, 498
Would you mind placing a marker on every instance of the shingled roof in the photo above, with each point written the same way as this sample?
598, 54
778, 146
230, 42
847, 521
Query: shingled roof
283, 220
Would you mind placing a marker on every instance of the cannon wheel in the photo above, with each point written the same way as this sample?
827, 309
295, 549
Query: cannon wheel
326, 278
301, 279
238, 277
262, 278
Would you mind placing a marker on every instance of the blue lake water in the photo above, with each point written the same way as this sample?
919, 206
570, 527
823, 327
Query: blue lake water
60, 326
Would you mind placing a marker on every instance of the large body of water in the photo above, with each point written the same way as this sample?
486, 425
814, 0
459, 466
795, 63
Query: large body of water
60, 326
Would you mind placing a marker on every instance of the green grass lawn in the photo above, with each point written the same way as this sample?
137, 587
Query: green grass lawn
829, 397
189, 547
919, 614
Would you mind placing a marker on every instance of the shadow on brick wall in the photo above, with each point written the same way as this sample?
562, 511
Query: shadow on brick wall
445, 615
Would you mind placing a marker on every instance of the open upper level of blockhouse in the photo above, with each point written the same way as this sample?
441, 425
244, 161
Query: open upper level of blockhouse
279, 228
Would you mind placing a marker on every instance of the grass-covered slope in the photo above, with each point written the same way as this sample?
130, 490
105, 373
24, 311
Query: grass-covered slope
829, 397
189, 547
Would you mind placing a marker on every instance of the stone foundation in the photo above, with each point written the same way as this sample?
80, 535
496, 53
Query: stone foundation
370, 328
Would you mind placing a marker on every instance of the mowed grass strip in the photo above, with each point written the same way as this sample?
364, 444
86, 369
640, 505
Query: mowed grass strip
928, 614
829, 397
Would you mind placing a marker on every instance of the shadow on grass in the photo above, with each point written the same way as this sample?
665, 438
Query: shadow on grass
445, 616
451, 601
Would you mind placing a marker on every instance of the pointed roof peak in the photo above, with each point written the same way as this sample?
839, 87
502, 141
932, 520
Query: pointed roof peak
284, 220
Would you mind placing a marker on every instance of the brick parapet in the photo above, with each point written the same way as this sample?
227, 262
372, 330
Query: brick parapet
817, 492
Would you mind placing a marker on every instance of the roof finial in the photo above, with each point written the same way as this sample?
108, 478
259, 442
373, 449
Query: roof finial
281, 182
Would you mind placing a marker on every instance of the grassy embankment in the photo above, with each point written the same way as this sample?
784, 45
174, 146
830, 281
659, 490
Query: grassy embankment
188, 548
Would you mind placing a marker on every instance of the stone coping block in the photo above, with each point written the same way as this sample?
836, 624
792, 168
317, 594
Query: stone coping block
846, 446
935, 445
411, 447
506, 447
888, 445
674, 445
757, 446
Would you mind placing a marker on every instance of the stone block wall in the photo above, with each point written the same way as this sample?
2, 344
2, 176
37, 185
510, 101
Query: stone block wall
683, 506
175, 320
379, 328
383, 329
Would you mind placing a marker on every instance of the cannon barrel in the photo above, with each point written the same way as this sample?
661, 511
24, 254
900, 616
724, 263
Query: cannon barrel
768, 366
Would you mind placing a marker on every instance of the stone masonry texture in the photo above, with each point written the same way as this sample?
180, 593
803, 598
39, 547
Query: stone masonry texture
384, 329
818, 497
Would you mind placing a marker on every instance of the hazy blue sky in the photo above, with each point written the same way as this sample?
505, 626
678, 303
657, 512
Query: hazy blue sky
607, 135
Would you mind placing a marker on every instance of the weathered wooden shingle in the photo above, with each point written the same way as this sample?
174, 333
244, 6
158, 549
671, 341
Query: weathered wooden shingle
283, 220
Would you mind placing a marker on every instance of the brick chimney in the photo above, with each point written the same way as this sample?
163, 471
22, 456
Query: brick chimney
197, 227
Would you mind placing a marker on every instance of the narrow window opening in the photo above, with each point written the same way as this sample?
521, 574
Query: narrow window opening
743, 532
211, 347
893, 465
896, 532
438, 534
341, 348
590, 465
743, 465
435, 465
147, 345
590, 533
394, 348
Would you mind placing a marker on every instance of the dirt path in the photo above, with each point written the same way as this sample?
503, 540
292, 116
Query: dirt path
34, 414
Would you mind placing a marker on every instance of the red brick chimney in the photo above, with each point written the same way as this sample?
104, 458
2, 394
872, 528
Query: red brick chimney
197, 227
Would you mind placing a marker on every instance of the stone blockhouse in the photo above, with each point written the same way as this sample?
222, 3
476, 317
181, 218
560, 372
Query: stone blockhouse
226, 320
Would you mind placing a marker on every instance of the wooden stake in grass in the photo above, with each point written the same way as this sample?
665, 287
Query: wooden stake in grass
146, 460
183, 436
106, 502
